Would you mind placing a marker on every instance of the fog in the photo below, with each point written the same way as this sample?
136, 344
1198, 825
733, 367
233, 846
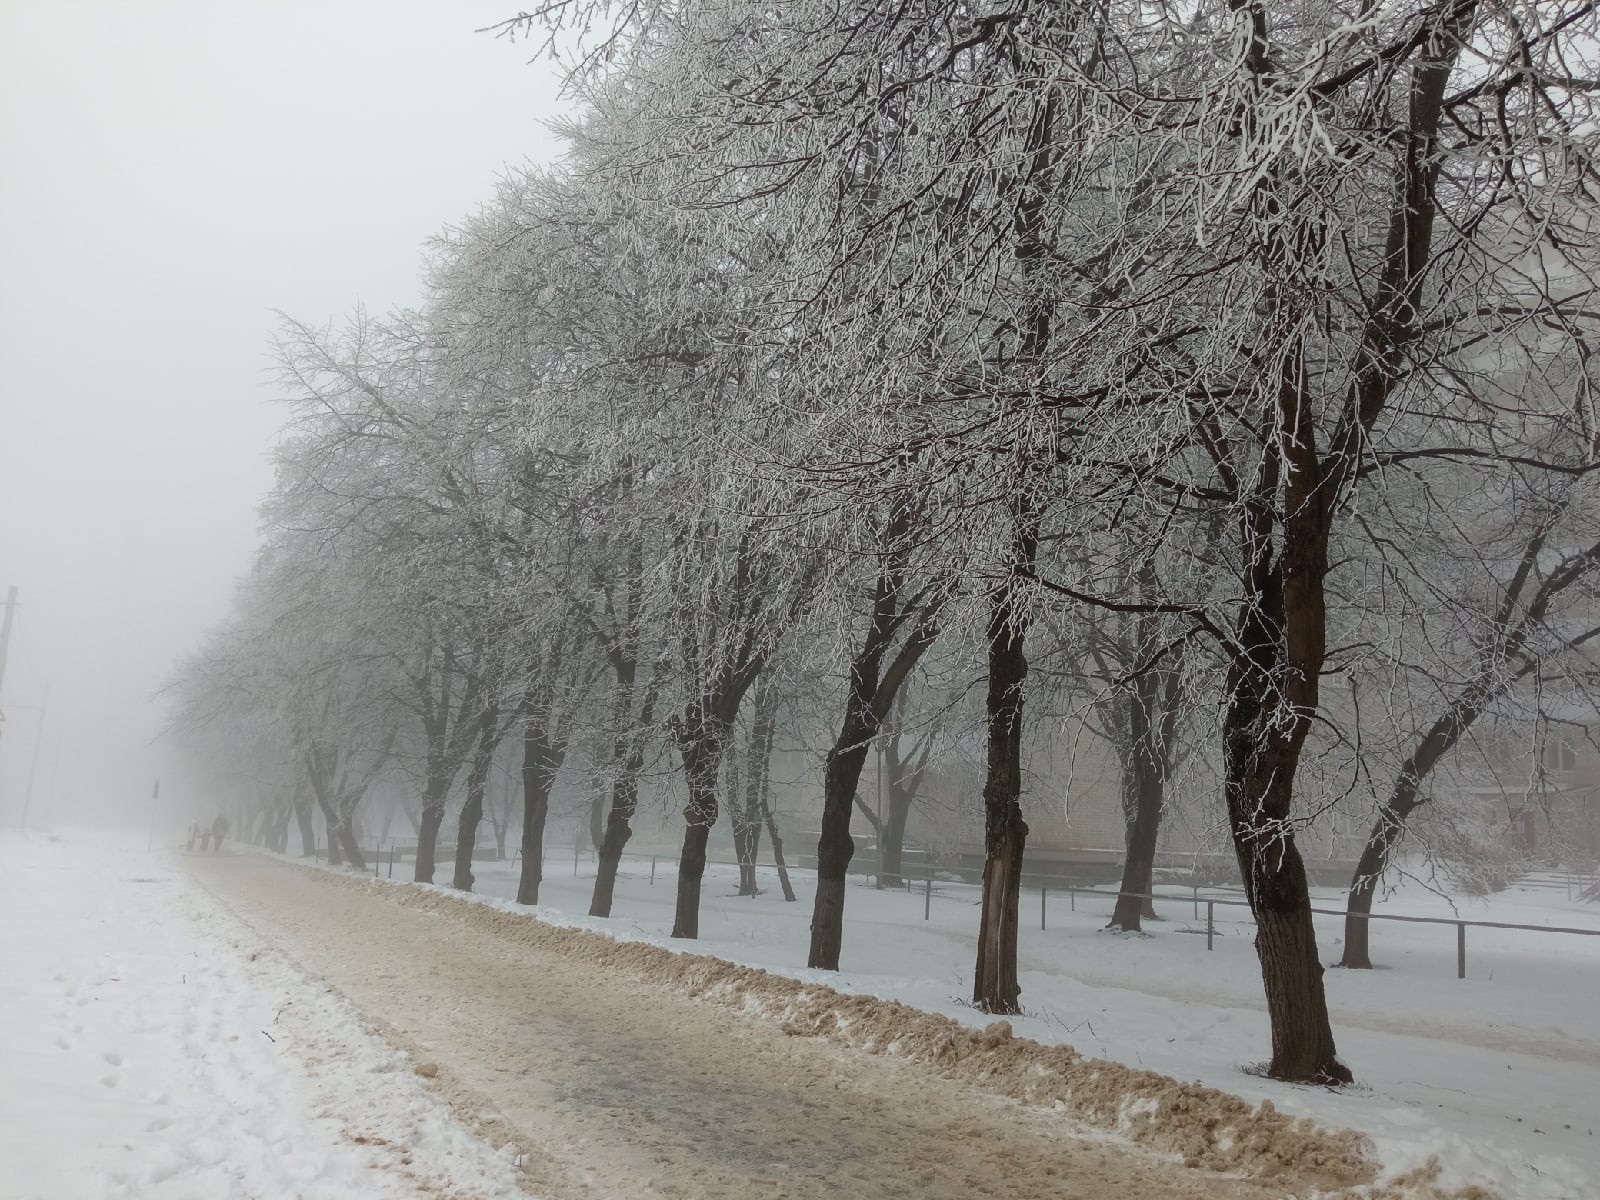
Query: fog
173, 173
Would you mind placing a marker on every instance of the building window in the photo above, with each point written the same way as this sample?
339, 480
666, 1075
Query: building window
1559, 756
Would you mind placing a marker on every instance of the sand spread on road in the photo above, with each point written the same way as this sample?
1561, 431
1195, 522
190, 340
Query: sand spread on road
624, 1069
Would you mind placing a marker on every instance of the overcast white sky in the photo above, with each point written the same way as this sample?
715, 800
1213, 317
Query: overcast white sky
170, 173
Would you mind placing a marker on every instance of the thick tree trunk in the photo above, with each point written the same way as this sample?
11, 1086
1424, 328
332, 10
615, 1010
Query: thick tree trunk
308, 832
541, 760
597, 819
1259, 792
835, 846
428, 833
627, 763
994, 981
619, 831
892, 838
702, 755
472, 808
467, 836
627, 746
1144, 806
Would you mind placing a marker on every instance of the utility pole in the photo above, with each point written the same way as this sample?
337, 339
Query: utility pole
33, 766
5, 638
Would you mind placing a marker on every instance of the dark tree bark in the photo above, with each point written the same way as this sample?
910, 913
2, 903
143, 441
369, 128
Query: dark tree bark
1143, 810
872, 691
542, 757
701, 745
722, 651
1287, 512
1282, 630
627, 763
472, 808
619, 829
994, 981
1151, 708
433, 802
1005, 833
1385, 835
628, 732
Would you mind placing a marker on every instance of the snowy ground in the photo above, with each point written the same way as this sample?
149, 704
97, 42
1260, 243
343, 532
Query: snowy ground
1496, 1074
149, 1048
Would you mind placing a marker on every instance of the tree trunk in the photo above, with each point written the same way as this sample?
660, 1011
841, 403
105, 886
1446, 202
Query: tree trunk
341, 842
758, 776
1144, 799
734, 781
994, 980
619, 831
627, 759
1386, 834
904, 778
1259, 791
702, 753
308, 831
346, 838
467, 836
777, 849
428, 832
472, 809
835, 846
597, 819
892, 838
541, 760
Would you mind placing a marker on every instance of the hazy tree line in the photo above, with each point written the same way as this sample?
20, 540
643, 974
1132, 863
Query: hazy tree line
1218, 372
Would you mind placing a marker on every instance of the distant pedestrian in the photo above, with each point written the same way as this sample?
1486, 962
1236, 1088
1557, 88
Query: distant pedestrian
219, 830
194, 834
205, 837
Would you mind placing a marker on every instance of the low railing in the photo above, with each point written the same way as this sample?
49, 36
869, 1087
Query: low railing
1047, 883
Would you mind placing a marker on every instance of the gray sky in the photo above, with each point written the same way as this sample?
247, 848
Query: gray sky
170, 172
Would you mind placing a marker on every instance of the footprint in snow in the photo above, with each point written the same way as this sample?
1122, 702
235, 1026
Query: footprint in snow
112, 1057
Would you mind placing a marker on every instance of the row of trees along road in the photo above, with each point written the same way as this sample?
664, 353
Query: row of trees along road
1226, 364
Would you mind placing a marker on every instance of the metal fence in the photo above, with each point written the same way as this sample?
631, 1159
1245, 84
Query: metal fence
1046, 884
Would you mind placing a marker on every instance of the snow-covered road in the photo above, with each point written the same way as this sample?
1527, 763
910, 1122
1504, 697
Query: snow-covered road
149, 1049
609, 1082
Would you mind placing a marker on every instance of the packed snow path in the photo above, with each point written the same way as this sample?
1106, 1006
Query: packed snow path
610, 1085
